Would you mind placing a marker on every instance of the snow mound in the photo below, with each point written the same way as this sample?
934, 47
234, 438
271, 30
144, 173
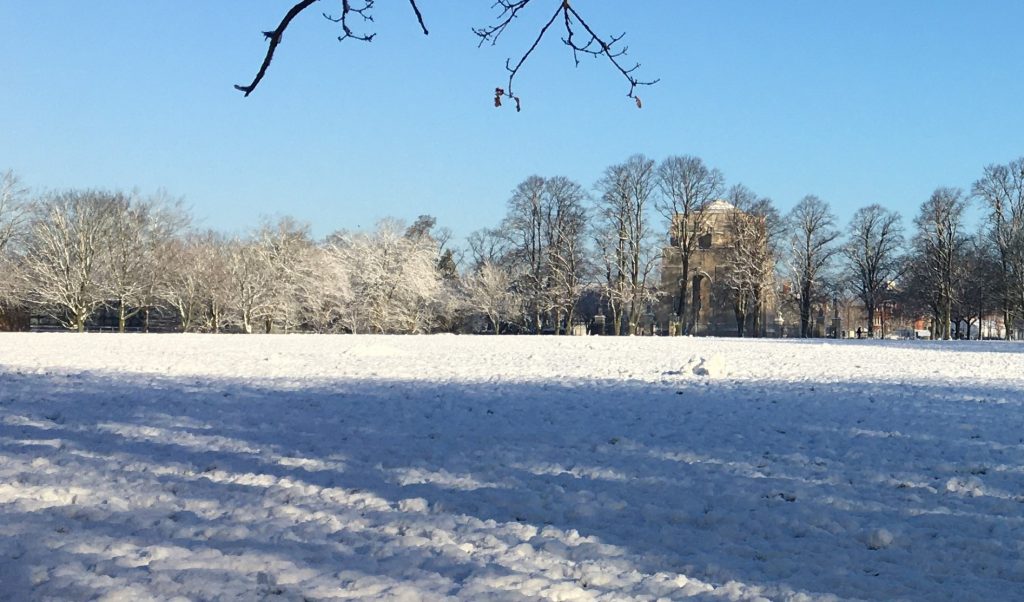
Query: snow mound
879, 539
711, 367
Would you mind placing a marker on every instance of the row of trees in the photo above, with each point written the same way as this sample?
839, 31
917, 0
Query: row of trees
561, 255
71, 254
940, 271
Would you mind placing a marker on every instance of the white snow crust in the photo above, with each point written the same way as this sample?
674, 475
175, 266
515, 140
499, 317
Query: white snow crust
195, 467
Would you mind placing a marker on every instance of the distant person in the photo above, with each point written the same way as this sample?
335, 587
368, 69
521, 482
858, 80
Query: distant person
859, 333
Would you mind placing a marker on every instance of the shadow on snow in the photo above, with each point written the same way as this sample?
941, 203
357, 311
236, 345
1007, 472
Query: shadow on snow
771, 484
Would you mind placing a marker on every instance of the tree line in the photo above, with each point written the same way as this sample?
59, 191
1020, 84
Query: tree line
561, 255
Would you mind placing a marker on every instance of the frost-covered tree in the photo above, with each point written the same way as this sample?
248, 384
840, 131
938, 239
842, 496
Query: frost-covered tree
215, 272
136, 252
448, 305
395, 284
65, 253
250, 284
873, 252
688, 187
14, 215
489, 291
323, 290
14, 210
182, 286
812, 246
283, 246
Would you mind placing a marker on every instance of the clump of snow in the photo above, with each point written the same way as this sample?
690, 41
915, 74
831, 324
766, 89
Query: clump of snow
711, 367
416, 504
971, 486
879, 539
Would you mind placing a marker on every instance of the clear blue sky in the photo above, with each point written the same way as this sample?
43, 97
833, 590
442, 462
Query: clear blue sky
857, 102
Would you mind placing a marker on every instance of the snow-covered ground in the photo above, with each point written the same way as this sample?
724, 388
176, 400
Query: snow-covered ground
509, 468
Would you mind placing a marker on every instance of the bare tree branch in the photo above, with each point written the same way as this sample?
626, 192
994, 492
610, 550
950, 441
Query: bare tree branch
593, 45
346, 9
606, 48
589, 43
275, 39
419, 17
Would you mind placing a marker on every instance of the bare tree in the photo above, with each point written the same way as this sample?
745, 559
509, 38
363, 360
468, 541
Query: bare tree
1001, 190
524, 229
873, 252
751, 258
581, 39
812, 245
688, 187
487, 246
65, 253
624, 237
976, 288
565, 223
938, 243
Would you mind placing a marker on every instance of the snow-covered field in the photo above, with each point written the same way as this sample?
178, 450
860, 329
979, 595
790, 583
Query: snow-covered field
509, 468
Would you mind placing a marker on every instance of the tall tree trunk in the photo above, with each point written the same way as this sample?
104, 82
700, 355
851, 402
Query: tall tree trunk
684, 287
805, 311
947, 319
1007, 317
756, 316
